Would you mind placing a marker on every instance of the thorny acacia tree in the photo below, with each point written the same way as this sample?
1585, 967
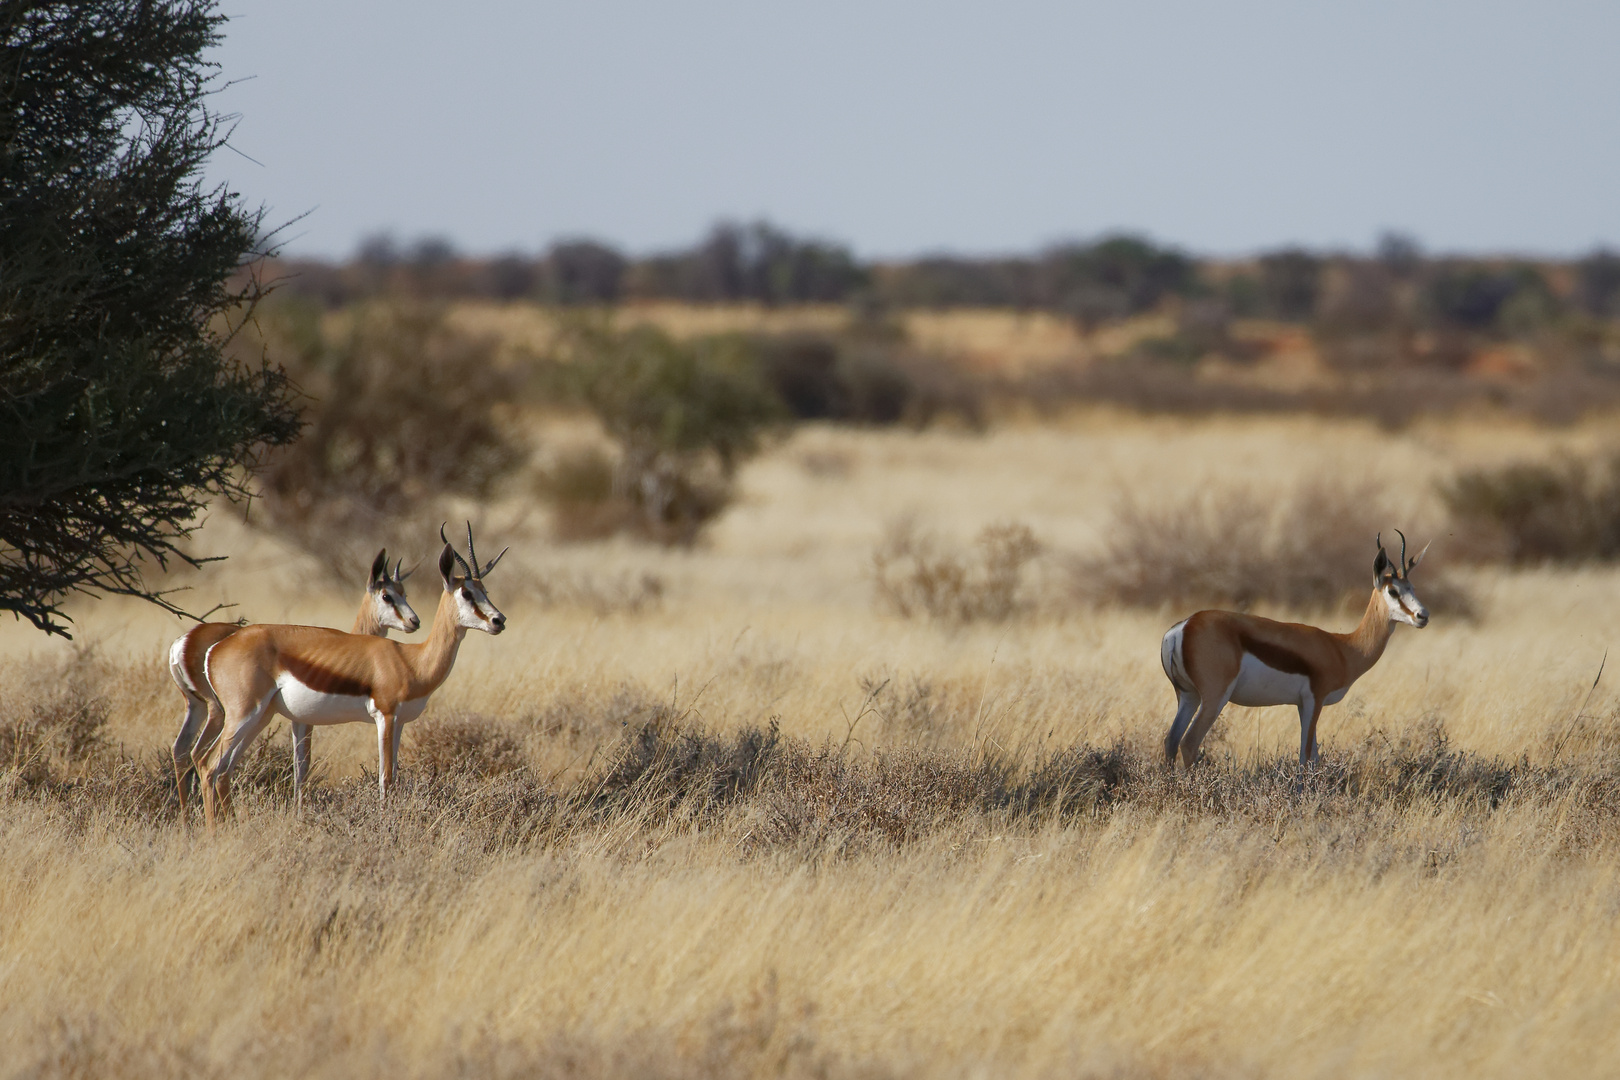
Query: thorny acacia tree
119, 415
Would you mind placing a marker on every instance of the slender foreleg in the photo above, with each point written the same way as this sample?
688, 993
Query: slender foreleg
300, 738
387, 743
1310, 711
393, 755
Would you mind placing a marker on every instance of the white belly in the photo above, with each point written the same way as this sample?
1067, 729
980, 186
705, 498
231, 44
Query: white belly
1258, 685
306, 706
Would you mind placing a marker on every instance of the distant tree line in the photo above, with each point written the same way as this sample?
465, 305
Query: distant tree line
1093, 282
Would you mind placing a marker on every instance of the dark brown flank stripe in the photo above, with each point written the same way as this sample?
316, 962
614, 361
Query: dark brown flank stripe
323, 681
1275, 656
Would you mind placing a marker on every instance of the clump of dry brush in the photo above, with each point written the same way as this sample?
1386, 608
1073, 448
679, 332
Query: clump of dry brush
1305, 548
471, 781
402, 410
1530, 512
916, 573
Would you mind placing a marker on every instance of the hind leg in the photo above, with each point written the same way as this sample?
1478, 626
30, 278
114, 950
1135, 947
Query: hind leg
238, 732
1209, 710
1186, 705
191, 726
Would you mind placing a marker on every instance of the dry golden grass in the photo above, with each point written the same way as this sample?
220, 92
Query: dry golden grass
959, 859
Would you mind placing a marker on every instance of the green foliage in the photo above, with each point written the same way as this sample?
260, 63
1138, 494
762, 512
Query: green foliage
821, 377
119, 416
656, 394
1598, 284
1290, 283
1472, 296
1114, 277
752, 262
684, 415
582, 272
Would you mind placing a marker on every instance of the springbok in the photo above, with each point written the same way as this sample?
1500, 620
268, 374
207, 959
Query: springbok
312, 675
382, 608
1220, 656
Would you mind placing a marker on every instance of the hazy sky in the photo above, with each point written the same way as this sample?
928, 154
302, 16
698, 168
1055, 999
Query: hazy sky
901, 128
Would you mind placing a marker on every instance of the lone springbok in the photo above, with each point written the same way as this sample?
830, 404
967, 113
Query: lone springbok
1220, 656
312, 675
382, 608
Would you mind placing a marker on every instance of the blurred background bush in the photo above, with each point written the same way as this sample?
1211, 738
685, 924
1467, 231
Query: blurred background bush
424, 371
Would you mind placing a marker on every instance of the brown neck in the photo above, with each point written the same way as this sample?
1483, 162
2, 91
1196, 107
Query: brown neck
1367, 641
431, 661
366, 621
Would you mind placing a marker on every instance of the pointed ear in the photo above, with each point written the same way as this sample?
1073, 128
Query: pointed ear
379, 568
1380, 564
1419, 559
447, 566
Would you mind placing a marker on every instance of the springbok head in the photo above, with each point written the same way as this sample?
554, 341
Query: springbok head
387, 595
1391, 580
473, 609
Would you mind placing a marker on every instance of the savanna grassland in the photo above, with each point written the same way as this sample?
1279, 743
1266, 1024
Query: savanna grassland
723, 812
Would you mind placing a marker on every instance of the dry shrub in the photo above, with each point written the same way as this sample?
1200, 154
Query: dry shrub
266, 769
919, 711
827, 463
1309, 548
772, 794
666, 767
918, 574
464, 743
59, 734
404, 411
1524, 513
1394, 399
582, 724
823, 801
580, 484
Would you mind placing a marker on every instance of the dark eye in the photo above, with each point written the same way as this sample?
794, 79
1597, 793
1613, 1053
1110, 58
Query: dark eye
1392, 590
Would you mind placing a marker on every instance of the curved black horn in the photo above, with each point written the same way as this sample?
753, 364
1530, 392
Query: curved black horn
493, 561
397, 579
1403, 564
472, 553
453, 550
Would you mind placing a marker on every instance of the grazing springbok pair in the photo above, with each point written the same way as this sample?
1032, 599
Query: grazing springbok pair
313, 675
1218, 656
